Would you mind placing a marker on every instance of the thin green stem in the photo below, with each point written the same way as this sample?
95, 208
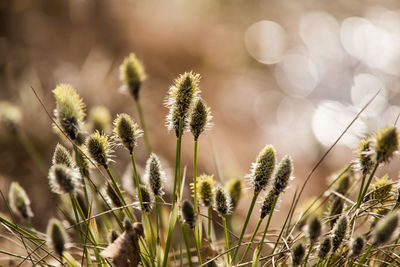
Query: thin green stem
267, 226
367, 185
78, 227
78, 161
226, 238
195, 176
253, 201
137, 182
365, 256
251, 240
209, 224
197, 246
185, 238
177, 178
308, 255
142, 122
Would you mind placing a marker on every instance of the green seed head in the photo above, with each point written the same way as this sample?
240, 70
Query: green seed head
132, 73
62, 156
298, 252
126, 131
70, 110
112, 236
336, 208
314, 229
146, 198
181, 98
344, 181
57, 237
205, 188
365, 159
19, 201
385, 228
10, 116
339, 233
386, 143
222, 202
200, 118
235, 188
63, 180
381, 189
113, 197
262, 170
267, 203
155, 175
324, 248
282, 175
188, 213
356, 246
100, 119
99, 148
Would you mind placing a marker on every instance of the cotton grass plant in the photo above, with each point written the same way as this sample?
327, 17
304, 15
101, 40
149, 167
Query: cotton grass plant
352, 222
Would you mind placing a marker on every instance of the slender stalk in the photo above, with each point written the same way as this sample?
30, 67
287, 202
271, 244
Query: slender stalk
195, 176
185, 238
209, 224
197, 247
251, 240
365, 256
226, 238
137, 182
142, 122
177, 178
78, 227
308, 254
172, 221
366, 186
267, 226
253, 201
78, 161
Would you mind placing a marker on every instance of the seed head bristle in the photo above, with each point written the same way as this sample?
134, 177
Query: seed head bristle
262, 170
127, 131
324, 248
386, 143
282, 175
189, 214
339, 233
10, 116
365, 159
222, 202
298, 252
200, 118
181, 98
381, 189
99, 148
235, 188
63, 180
99, 119
155, 175
57, 237
267, 203
146, 198
70, 109
62, 156
356, 246
132, 73
314, 228
385, 229
205, 189
19, 201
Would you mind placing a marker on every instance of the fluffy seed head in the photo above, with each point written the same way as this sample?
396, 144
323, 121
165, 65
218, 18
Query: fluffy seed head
298, 252
381, 189
62, 156
99, 148
70, 109
365, 156
386, 143
262, 170
19, 201
113, 197
181, 99
188, 214
132, 73
146, 198
200, 118
339, 232
222, 202
127, 224
112, 236
10, 116
344, 181
155, 175
324, 248
234, 188
126, 131
282, 175
205, 188
82, 161
100, 119
63, 180
57, 237
356, 246
267, 203
385, 228
335, 209
314, 229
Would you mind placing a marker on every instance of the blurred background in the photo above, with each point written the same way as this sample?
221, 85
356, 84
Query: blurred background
289, 73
